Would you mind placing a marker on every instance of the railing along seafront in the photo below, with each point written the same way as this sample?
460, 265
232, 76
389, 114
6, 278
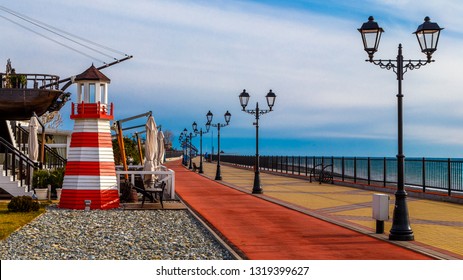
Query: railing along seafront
437, 174
163, 174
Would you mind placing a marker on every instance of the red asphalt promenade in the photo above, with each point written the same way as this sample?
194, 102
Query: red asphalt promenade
261, 230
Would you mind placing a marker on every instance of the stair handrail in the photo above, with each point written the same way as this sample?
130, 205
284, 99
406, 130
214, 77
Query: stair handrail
25, 175
61, 161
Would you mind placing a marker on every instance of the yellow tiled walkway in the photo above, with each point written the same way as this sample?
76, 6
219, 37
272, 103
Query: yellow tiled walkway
437, 225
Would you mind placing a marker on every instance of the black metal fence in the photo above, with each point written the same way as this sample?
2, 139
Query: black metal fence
173, 154
424, 173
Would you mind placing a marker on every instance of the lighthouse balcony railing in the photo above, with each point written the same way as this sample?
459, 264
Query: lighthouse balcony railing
163, 174
92, 110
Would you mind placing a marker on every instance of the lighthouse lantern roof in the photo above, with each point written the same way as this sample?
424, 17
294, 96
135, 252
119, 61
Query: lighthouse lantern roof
92, 74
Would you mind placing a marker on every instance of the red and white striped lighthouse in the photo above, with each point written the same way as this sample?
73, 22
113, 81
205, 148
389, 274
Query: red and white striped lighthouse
90, 176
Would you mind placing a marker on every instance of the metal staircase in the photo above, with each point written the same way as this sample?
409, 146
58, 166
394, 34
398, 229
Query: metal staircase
16, 167
16, 170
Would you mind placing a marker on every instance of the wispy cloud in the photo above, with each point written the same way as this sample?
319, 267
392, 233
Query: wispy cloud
195, 56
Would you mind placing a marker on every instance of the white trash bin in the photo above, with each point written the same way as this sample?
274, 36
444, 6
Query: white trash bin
380, 210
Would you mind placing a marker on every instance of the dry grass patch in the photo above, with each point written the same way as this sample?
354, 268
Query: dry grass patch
11, 221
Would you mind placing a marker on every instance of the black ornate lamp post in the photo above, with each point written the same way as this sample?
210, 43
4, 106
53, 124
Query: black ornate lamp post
244, 99
227, 116
182, 139
428, 37
185, 135
189, 136
201, 132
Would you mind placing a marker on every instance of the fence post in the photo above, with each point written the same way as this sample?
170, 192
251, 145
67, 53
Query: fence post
369, 169
449, 177
313, 162
292, 165
286, 158
384, 171
355, 169
332, 166
275, 163
306, 166
343, 168
424, 174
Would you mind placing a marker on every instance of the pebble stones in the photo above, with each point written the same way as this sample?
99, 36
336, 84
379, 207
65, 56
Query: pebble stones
61, 234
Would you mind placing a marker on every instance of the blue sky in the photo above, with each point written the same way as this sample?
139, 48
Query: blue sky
194, 56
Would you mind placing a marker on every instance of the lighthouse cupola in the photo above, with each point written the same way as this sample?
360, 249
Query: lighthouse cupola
92, 95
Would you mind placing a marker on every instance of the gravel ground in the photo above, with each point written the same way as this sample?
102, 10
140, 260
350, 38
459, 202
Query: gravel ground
113, 235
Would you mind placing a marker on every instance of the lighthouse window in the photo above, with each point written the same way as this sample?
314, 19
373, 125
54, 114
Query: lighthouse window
80, 93
92, 94
104, 96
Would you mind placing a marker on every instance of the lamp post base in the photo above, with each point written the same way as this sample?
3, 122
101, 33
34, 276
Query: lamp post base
402, 237
201, 165
257, 189
218, 176
401, 230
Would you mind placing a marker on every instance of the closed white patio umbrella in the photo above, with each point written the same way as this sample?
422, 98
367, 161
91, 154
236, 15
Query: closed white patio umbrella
151, 150
161, 148
33, 143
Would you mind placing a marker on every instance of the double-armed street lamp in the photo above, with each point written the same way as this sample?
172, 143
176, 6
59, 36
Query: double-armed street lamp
209, 116
200, 132
428, 37
190, 136
244, 99
183, 139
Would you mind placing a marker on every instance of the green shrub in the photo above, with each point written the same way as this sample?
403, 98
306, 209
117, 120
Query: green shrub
23, 204
56, 177
41, 178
